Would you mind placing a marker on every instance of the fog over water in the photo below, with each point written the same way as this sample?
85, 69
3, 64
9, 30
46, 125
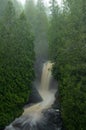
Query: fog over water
34, 114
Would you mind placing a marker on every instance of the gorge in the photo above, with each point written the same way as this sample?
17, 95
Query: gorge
40, 116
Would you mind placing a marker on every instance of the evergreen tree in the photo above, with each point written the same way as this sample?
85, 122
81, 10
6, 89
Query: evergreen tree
3, 4
16, 64
67, 49
30, 11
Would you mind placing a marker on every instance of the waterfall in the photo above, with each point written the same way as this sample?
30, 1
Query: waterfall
46, 76
37, 116
47, 95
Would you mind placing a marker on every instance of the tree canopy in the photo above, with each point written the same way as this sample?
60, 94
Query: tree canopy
67, 43
16, 64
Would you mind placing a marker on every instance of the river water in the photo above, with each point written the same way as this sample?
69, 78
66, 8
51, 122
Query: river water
40, 116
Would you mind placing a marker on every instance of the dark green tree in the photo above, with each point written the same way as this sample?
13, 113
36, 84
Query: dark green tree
67, 49
16, 64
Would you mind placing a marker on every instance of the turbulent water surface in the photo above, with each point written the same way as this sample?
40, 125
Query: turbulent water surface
40, 116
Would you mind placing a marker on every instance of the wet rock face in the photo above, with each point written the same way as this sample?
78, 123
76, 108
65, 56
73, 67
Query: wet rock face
54, 118
35, 96
50, 118
56, 104
51, 121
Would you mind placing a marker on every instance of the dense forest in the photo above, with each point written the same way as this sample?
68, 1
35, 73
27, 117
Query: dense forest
36, 33
16, 63
67, 42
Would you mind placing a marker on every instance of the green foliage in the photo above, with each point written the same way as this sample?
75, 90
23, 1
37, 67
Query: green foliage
3, 4
67, 41
16, 64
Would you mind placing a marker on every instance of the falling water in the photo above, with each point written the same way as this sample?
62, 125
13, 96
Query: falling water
36, 116
47, 95
46, 76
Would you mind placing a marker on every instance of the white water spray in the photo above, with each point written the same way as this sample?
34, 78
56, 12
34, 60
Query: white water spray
48, 95
34, 115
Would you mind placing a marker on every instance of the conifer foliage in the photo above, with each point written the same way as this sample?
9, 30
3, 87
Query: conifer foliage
67, 42
16, 64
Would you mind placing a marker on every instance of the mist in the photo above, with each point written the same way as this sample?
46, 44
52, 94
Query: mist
42, 64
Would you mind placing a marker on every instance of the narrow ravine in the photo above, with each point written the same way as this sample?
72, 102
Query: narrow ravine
38, 116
